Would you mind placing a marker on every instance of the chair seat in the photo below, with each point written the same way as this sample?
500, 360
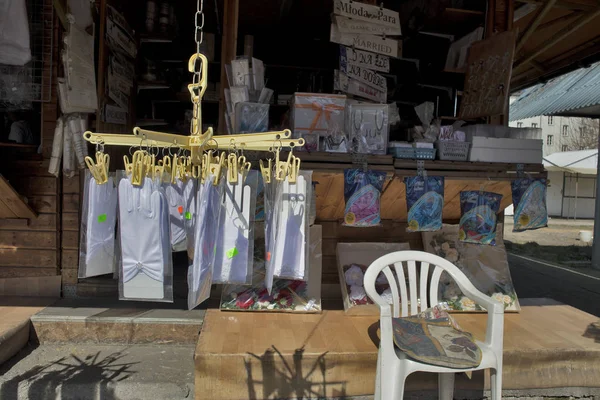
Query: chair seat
488, 360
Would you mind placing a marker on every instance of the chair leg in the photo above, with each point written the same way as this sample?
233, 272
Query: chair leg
378, 379
391, 386
446, 386
496, 383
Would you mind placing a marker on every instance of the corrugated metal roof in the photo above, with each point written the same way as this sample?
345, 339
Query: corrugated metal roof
575, 90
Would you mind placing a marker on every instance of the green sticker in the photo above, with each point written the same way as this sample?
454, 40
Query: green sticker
188, 215
232, 253
102, 218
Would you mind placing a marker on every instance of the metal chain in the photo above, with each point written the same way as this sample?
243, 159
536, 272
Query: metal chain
198, 38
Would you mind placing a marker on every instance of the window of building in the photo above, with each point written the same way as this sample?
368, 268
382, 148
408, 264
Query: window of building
565, 147
550, 120
565, 130
549, 139
519, 124
534, 125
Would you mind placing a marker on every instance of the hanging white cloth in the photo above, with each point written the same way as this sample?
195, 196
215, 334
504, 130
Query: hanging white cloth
14, 33
174, 192
143, 214
100, 230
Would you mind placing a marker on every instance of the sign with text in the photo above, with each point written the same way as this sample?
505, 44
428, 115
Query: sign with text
366, 12
115, 115
347, 25
351, 86
375, 44
366, 76
364, 59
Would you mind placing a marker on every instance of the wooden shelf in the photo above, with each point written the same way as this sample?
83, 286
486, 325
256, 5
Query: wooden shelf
455, 21
19, 145
149, 38
152, 85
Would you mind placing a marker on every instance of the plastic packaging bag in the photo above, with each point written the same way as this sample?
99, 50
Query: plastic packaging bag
251, 117
485, 266
369, 128
362, 193
200, 274
174, 195
235, 244
146, 272
529, 199
425, 202
97, 253
293, 208
478, 216
272, 190
57, 148
286, 295
68, 152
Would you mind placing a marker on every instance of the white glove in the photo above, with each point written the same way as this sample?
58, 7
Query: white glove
174, 193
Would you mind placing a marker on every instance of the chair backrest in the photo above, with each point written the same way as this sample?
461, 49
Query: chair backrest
421, 293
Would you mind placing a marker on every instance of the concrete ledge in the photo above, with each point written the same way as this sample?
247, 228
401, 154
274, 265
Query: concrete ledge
13, 340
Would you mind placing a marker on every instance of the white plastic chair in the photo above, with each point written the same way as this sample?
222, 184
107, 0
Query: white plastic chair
393, 366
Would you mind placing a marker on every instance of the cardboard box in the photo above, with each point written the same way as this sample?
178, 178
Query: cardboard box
317, 114
526, 151
361, 254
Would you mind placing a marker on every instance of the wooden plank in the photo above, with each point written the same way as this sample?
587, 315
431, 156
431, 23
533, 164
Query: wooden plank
27, 240
466, 166
22, 272
19, 167
69, 276
6, 212
46, 286
13, 201
71, 202
70, 221
35, 185
71, 185
70, 259
70, 240
43, 204
28, 258
44, 222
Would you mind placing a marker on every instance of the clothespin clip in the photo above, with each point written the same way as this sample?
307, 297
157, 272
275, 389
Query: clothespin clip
215, 166
421, 169
137, 174
174, 168
166, 169
266, 171
232, 168
282, 167
128, 166
294, 169
204, 167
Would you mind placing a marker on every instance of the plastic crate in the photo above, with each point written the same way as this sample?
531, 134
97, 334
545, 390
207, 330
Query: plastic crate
413, 153
453, 150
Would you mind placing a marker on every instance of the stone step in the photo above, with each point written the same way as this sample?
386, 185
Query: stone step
103, 321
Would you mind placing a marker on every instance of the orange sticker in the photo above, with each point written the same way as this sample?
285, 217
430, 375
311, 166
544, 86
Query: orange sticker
268, 256
180, 209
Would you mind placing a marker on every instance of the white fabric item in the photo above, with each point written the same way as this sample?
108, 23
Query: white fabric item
290, 249
232, 262
20, 132
272, 197
174, 193
100, 232
207, 225
14, 33
141, 213
68, 152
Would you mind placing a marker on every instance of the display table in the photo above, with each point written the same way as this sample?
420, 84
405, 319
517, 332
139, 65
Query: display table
243, 355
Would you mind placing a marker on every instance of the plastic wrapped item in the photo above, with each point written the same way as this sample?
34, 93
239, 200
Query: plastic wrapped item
292, 229
258, 74
241, 73
190, 191
272, 197
265, 96
200, 273
353, 261
79, 145
320, 115
286, 295
362, 192
485, 266
146, 273
97, 253
57, 148
478, 211
68, 152
235, 239
177, 210
251, 118
425, 202
529, 200
14, 38
369, 128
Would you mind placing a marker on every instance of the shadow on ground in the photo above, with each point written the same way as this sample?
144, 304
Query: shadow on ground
566, 255
71, 378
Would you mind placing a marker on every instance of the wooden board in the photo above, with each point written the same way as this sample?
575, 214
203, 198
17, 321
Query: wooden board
47, 286
44, 222
13, 203
334, 355
487, 81
28, 258
19, 272
27, 240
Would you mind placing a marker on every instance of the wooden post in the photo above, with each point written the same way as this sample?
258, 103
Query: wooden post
228, 52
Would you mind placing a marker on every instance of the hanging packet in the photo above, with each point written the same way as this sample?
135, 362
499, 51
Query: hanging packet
478, 217
98, 222
362, 193
174, 194
425, 202
235, 239
200, 274
529, 200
